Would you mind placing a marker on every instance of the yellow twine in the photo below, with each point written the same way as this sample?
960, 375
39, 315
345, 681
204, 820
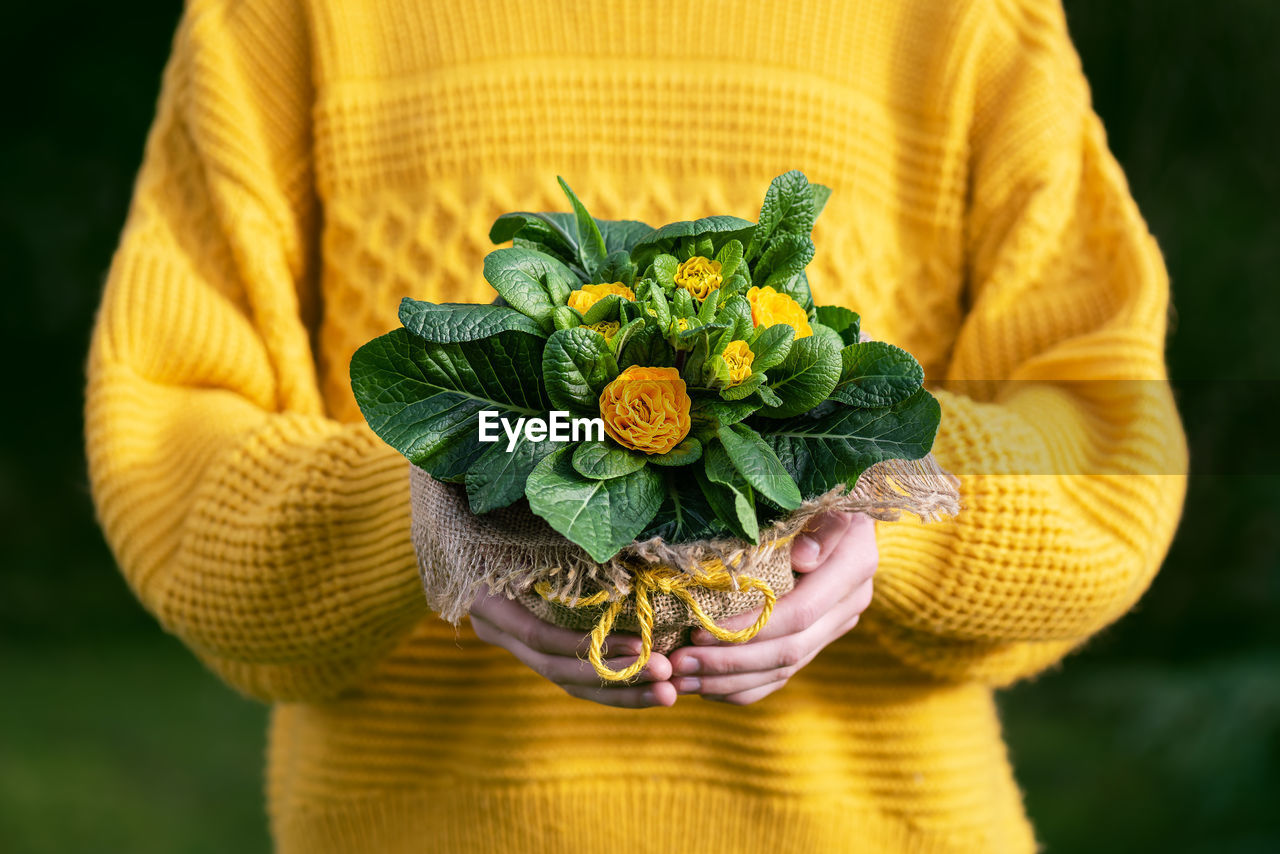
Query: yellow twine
663, 579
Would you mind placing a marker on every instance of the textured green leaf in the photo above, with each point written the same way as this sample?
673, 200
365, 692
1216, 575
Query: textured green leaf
783, 259
711, 413
720, 230
757, 462
707, 311
531, 282
797, 287
591, 249
603, 460
664, 270
728, 493
827, 335
645, 346
423, 398
621, 235
606, 308
770, 345
788, 209
576, 366
498, 476
804, 378
875, 374
448, 323
618, 267
685, 515
688, 451
837, 444
746, 388
845, 322
564, 317
601, 516
730, 257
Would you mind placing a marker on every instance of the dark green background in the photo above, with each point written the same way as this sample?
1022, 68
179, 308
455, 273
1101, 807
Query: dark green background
1164, 734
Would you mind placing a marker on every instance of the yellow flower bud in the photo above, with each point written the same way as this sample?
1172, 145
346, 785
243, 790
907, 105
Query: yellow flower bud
739, 357
699, 276
607, 328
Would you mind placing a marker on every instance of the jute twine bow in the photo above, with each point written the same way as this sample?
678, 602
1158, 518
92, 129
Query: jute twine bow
664, 579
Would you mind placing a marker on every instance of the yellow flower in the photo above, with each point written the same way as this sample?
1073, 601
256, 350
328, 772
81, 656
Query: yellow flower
682, 323
769, 308
646, 409
588, 295
739, 357
699, 276
607, 328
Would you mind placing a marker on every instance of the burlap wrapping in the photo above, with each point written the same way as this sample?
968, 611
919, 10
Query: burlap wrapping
511, 550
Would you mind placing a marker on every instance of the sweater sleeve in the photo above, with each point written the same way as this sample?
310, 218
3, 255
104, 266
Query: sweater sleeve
1056, 413
271, 539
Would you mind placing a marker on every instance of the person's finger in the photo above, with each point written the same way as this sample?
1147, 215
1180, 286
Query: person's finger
746, 698
784, 655
812, 546
518, 621
567, 670
853, 560
630, 697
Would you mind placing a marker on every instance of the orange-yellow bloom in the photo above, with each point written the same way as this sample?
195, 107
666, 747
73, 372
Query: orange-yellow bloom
739, 357
588, 295
607, 328
769, 308
646, 409
699, 276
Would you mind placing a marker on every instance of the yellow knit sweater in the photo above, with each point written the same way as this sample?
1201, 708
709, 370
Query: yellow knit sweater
313, 161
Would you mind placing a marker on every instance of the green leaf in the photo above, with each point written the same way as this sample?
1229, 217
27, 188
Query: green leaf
821, 193
832, 448
875, 374
736, 312
770, 345
657, 300
591, 248
688, 451
565, 318
606, 308
797, 287
746, 388
682, 304
707, 312
664, 270
804, 378
423, 398
685, 515
601, 460
719, 229
531, 282
757, 462
728, 493
621, 235
842, 320
601, 516
827, 335
709, 414
788, 209
448, 323
618, 268
783, 259
767, 396
576, 366
498, 477
645, 346
729, 256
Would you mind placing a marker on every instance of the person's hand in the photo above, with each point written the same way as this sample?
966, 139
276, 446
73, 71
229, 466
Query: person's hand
836, 558
558, 655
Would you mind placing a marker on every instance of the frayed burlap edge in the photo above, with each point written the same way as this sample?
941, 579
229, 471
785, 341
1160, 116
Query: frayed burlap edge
510, 550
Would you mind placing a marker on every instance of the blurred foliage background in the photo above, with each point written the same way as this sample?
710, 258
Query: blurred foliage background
1163, 734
